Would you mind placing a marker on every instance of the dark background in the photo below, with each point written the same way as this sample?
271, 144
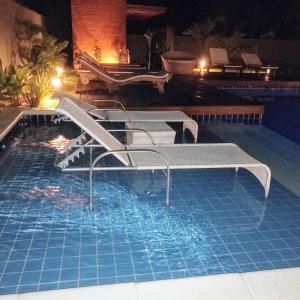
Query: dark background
253, 17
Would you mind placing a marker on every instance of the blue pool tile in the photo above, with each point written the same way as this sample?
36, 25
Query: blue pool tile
70, 262
126, 278
10, 279
87, 273
144, 277
68, 284
257, 256
88, 250
287, 254
88, 261
33, 265
14, 266
241, 258
107, 280
28, 288
280, 264
124, 269
50, 276
123, 258
248, 267
71, 251
88, 282
54, 252
264, 265
48, 286
107, 271
8, 290
69, 274
32, 277
142, 268
52, 263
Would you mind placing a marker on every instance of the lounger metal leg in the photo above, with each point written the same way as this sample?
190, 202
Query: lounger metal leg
168, 187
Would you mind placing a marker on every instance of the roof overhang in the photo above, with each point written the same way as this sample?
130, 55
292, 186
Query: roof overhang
144, 11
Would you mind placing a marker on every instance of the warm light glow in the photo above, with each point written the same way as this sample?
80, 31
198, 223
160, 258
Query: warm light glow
202, 64
59, 70
110, 59
56, 82
268, 71
48, 103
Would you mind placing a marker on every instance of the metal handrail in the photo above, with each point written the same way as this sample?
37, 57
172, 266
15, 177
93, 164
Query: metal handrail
127, 151
111, 101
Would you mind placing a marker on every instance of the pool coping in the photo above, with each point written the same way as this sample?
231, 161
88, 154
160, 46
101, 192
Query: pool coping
260, 285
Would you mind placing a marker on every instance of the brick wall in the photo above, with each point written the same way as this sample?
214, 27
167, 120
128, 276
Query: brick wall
99, 26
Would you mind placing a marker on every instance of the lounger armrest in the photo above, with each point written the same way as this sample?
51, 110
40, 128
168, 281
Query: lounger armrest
111, 101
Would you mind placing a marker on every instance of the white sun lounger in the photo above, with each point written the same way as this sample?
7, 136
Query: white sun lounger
113, 115
253, 61
182, 156
159, 79
219, 59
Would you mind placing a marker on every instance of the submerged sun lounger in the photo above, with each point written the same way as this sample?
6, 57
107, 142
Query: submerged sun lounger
109, 115
219, 59
169, 157
253, 62
159, 79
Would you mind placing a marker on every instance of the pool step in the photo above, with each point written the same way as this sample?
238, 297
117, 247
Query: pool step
71, 157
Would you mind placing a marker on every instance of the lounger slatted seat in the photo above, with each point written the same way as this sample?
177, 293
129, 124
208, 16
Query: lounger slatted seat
219, 59
253, 63
158, 79
108, 115
194, 156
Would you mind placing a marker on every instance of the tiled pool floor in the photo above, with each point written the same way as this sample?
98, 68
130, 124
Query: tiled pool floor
218, 222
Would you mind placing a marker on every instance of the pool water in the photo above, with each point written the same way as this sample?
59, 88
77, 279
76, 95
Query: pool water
217, 222
282, 115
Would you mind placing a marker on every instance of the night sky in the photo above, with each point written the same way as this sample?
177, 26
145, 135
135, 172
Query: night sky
253, 17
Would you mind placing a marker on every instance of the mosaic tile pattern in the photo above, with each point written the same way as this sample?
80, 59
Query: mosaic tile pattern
218, 222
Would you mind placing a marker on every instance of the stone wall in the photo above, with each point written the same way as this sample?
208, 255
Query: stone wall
99, 28
10, 11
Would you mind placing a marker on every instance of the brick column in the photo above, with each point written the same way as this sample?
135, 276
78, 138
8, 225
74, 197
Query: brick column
99, 28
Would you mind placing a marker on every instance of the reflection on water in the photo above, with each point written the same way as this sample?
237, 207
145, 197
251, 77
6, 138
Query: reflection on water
58, 144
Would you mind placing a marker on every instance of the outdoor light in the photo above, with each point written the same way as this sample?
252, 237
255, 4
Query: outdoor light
56, 82
202, 66
59, 70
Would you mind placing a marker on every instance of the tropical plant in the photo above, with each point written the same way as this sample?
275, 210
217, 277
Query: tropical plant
12, 81
205, 34
40, 54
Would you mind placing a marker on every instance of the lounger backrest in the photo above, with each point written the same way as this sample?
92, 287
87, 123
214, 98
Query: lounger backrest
251, 59
67, 107
88, 108
218, 56
89, 62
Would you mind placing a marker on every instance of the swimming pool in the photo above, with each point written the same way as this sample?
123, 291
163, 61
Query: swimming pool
282, 115
217, 222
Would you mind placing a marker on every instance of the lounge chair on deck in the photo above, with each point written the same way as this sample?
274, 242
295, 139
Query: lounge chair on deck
219, 60
121, 115
253, 64
112, 81
169, 157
